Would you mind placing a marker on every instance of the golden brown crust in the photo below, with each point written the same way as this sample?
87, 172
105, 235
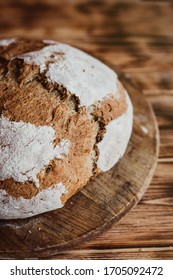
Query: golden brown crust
16, 189
26, 96
15, 100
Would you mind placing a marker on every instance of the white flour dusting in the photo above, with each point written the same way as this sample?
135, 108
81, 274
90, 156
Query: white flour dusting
82, 74
25, 149
115, 140
46, 200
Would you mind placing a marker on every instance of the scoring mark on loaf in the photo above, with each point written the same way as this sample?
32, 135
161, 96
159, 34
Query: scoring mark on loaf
26, 149
81, 74
46, 200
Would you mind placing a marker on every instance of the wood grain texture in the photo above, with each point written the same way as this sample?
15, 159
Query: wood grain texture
136, 37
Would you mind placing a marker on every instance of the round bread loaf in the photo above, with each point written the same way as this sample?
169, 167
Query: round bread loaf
65, 117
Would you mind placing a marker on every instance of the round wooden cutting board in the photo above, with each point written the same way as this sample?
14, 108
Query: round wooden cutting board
102, 202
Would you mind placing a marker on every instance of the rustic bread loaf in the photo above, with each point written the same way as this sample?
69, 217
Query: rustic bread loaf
65, 117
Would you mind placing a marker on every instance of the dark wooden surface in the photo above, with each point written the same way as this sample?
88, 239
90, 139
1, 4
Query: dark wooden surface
137, 38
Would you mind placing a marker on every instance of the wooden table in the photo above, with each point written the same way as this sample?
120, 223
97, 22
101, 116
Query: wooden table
137, 38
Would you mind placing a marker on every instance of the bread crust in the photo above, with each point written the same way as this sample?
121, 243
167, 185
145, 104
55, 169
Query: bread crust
28, 95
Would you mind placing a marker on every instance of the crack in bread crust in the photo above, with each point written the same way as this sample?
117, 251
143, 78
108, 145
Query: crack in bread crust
26, 95
110, 108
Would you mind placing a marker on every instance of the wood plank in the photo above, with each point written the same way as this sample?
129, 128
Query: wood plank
158, 253
151, 81
166, 143
125, 15
148, 224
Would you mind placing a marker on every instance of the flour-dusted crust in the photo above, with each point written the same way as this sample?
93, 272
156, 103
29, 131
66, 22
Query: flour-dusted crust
22, 141
114, 142
65, 117
19, 207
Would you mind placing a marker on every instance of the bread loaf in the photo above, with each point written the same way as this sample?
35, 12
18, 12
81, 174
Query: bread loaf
65, 117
